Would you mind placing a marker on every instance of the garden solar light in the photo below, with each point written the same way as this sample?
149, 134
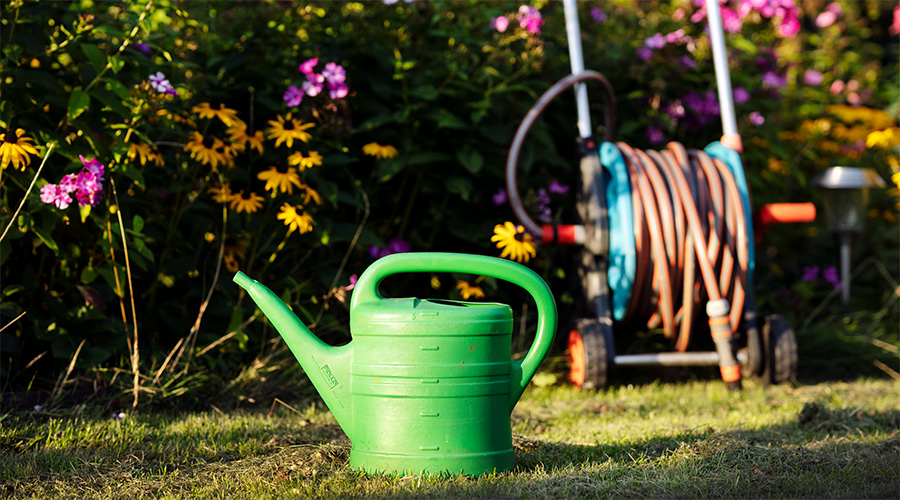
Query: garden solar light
845, 196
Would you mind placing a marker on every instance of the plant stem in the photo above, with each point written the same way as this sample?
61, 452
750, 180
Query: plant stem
28, 191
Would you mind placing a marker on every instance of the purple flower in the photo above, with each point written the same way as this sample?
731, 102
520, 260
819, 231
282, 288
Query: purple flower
598, 15
656, 41
812, 77
499, 197
337, 90
810, 273
675, 110
314, 84
545, 216
143, 48
543, 197
334, 73
293, 96
756, 118
655, 135
557, 188
644, 52
741, 95
687, 62
159, 82
93, 166
307, 66
830, 275
394, 245
89, 189
68, 183
530, 19
772, 80
118, 416
500, 23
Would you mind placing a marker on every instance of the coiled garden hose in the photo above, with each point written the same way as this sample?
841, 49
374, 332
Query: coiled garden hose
688, 216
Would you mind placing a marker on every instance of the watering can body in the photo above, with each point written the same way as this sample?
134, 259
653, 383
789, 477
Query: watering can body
425, 386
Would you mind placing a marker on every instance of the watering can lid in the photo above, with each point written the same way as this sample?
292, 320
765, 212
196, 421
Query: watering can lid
428, 312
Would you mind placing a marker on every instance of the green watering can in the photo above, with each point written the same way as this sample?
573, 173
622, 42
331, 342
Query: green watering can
425, 386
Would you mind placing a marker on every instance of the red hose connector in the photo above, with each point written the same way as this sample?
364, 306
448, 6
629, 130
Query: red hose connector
562, 235
781, 213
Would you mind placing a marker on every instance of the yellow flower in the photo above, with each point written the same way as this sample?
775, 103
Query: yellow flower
225, 115
515, 242
280, 178
895, 178
311, 194
14, 148
221, 193
379, 151
234, 248
295, 218
884, 139
209, 150
286, 129
305, 162
777, 166
239, 138
250, 203
466, 290
144, 152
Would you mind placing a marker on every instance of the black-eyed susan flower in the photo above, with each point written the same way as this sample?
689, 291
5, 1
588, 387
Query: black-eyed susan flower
209, 150
221, 193
15, 148
248, 202
295, 218
144, 153
304, 162
379, 151
280, 177
240, 139
235, 248
227, 116
467, 290
285, 129
517, 245
311, 194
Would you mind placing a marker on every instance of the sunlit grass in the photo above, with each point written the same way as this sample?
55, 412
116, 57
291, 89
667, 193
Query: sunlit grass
691, 439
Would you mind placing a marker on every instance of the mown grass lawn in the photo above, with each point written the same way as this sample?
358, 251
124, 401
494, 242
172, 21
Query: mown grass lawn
689, 439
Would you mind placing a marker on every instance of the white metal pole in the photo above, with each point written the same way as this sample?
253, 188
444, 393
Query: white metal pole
723, 78
575, 55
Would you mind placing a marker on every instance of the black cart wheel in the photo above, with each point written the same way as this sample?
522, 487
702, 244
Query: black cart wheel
590, 354
781, 350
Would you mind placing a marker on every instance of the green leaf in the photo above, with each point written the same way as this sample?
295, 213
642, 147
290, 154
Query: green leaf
85, 212
429, 157
471, 159
388, 168
446, 119
44, 236
137, 223
98, 61
425, 92
461, 186
79, 101
118, 87
115, 64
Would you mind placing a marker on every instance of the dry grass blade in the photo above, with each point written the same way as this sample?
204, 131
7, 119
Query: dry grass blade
14, 320
33, 361
27, 192
135, 353
282, 403
65, 378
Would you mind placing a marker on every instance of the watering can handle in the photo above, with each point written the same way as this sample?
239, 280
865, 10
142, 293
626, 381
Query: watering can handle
523, 370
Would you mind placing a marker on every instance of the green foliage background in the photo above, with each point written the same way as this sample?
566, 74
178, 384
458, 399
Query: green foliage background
432, 79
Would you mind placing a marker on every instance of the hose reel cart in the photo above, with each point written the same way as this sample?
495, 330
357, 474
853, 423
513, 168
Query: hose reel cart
666, 237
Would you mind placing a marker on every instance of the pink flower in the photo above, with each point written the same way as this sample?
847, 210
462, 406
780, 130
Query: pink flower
293, 96
500, 23
51, 193
530, 19
337, 90
812, 77
314, 84
837, 87
770, 79
93, 166
307, 66
826, 19
895, 25
731, 21
757, 119
334, 73
68, 183
790, 25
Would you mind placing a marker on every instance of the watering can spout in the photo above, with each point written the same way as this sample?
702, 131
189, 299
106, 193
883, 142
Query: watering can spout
327, 367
